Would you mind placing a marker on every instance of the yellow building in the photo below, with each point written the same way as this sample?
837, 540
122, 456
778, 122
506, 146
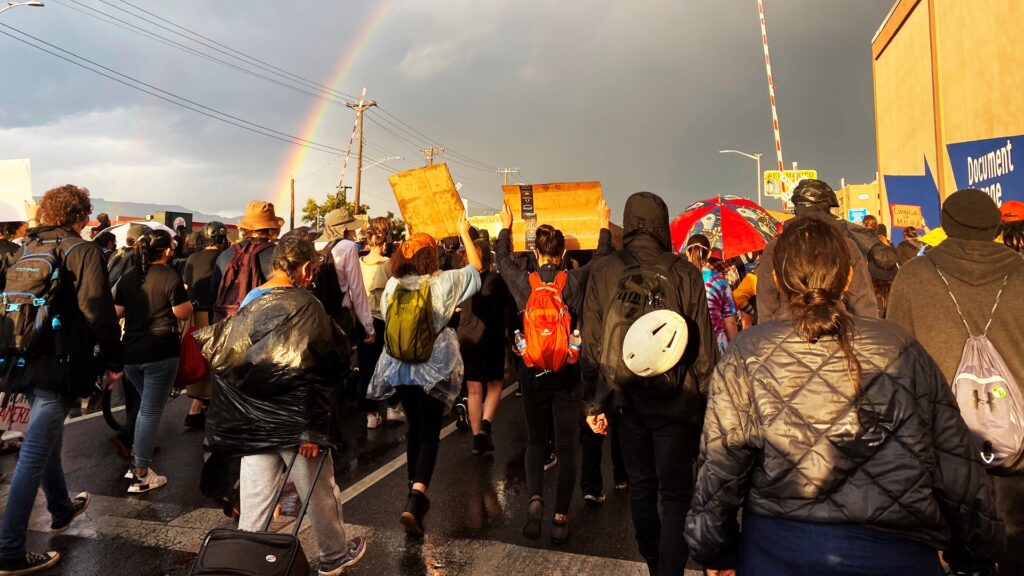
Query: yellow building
949, 103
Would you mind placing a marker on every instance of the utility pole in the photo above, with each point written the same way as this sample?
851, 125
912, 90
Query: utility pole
360, 107
430, 152
506, 172
291, 218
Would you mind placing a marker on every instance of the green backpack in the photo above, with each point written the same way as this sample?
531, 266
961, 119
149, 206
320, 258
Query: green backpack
409, 333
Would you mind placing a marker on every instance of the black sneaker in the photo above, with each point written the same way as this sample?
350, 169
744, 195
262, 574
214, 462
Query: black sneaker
550, 462
30, 563
593, 500
482, 443
195, 421
461, 415
534, 516
356, 551
622, 484
415, 510
78, 505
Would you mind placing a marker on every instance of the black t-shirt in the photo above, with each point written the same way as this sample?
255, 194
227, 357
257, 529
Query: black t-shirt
150, 328
199, 278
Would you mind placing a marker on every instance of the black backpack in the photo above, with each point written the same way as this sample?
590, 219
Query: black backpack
31, 303
639, 290
328, 291
881, 258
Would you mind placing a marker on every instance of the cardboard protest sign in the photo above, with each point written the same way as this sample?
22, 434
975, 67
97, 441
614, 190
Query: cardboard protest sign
569, 206
428, 200
15, 189
904, 215
14, 412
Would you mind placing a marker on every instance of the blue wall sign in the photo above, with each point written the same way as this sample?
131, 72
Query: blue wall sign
915, 191
995, 165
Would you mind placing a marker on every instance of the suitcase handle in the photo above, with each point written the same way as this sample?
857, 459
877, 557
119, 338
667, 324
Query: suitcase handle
305, 501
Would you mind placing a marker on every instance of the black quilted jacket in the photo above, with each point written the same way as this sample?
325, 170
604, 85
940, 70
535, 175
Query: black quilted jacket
785, 437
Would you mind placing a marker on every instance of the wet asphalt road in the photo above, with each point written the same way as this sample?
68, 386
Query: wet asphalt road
478, 507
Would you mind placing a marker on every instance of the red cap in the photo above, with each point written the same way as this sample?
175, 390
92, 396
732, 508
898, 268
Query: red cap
1012, 211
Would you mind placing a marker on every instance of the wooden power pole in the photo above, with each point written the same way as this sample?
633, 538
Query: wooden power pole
430, 152
506, 172
360, 107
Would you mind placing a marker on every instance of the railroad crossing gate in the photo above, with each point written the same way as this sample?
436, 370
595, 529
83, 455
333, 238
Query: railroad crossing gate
780, 183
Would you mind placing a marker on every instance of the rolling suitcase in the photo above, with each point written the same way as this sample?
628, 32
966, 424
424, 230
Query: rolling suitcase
237, 553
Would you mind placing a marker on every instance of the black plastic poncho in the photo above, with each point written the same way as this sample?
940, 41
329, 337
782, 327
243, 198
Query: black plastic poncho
274, 364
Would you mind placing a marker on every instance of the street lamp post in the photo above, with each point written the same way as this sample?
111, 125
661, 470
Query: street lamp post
8, 5
756, 157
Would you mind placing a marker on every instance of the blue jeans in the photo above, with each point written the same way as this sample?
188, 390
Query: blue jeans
153, 380
38, 465
777, 547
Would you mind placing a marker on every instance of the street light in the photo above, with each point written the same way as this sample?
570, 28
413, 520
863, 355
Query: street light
8, 5
388, 159
752, 157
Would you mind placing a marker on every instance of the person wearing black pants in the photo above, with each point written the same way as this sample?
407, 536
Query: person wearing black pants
658, 426
549, 393
423, 436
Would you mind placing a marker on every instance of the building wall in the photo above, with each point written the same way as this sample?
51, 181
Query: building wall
948, 90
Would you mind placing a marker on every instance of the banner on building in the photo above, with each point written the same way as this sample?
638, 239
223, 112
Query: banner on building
568, 206
428, 200
995, 165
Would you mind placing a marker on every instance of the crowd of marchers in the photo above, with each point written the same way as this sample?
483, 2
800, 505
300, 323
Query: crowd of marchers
832, 404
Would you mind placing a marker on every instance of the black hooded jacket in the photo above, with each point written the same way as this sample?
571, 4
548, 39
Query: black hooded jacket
646, 236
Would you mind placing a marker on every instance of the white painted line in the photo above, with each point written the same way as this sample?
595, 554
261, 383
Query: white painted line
367, 481
90, 416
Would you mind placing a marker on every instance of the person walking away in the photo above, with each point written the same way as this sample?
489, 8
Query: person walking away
198, 277
482, 331
102, 223
272, 399
745, 295
375, 269
1011, 229
968, 286
658, 418
58, 367
421, 361
352, 311
910, 247
9, 231
152, 300
721, 306
247, 264
815, 199
839, 439
548, 391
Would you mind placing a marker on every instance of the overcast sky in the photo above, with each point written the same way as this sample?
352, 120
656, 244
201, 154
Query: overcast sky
639, 95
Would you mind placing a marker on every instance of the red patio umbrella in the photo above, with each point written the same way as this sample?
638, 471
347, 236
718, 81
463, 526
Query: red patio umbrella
734, 225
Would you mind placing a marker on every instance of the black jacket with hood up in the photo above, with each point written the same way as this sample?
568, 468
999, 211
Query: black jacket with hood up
646, 236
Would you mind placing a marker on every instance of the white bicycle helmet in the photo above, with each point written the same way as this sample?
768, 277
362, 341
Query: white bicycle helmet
654, 343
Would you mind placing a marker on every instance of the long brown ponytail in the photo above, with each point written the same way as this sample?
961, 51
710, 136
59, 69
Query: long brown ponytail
812, 267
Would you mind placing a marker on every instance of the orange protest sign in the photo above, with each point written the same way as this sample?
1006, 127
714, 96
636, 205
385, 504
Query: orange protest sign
904, 215
569, 206
428, 200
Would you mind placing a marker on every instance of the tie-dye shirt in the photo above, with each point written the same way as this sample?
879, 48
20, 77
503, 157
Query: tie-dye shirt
720, 305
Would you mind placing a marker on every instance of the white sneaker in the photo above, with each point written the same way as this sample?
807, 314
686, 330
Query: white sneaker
396, 414
373, 420
151, 481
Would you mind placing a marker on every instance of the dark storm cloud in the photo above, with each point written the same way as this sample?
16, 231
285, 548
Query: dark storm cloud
639, 95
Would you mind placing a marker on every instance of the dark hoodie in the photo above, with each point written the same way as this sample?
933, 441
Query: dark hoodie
646, 236
975, 269
860, 296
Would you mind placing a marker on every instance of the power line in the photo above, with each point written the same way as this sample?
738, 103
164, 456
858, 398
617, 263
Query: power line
154, 91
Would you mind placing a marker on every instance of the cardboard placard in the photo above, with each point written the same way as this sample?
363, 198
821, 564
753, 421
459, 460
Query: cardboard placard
15, 189
904, 215
428, 200
14, 415
568, 206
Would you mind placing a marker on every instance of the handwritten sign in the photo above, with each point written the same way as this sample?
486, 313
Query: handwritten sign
904, 215
428, 200
568, 206
14, 414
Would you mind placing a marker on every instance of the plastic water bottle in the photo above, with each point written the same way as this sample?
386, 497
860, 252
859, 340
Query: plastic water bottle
575, 341
520, 341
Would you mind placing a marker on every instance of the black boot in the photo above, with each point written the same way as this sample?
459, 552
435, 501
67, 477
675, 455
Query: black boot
482, 443
534, 516
415, 510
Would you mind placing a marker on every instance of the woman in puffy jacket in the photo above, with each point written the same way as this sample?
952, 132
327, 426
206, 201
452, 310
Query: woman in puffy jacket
274, 363
839, 439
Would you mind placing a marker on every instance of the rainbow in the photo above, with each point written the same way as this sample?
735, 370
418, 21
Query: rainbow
311, 125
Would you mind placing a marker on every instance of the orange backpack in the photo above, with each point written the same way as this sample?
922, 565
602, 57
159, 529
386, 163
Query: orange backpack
546, 324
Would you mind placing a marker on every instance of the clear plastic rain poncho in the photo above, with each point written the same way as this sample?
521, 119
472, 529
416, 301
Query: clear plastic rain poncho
441, 375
